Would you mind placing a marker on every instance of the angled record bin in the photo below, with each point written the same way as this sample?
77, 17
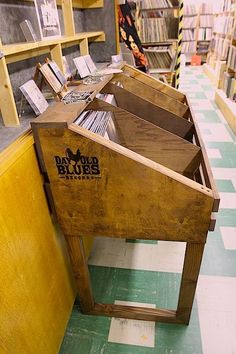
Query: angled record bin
145, 183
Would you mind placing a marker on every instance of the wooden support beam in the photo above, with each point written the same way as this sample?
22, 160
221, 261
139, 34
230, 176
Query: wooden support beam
56, 55
68, 17
81, 272
191, 269
7, 102
84, 49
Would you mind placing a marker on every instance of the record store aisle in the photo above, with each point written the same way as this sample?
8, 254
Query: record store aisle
124, 271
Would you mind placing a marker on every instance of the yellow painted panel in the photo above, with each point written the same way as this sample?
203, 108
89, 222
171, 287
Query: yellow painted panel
36, 287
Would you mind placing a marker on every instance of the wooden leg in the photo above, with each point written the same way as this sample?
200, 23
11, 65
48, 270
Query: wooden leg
192, 264
81, 273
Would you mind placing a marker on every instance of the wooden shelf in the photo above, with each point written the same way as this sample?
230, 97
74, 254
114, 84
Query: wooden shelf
227, 107
81, 4
161, 9
210, 72
21, 51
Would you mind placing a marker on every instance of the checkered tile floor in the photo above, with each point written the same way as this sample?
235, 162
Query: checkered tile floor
144, 273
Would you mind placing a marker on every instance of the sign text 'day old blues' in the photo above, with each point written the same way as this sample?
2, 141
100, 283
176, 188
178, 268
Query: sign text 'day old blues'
74, 166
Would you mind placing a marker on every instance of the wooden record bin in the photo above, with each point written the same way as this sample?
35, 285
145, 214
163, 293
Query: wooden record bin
151, 181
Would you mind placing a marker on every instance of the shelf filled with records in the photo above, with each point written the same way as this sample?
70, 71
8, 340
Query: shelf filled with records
224, 56
190, 21
158, 24
53, 46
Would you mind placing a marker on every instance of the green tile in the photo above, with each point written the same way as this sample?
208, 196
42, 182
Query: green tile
89, 334
197, 95
110, 284
225, 186
207, 87
210, 117
216, 260
222, 146
151, 242
201, 76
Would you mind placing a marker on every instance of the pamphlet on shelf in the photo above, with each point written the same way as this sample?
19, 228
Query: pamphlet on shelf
90, 64
28, 31
81, 66
57, 72
34, 97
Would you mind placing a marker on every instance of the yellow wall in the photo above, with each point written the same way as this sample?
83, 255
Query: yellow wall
36, 287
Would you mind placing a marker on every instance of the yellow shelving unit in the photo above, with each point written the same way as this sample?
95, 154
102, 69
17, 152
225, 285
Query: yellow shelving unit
22, 51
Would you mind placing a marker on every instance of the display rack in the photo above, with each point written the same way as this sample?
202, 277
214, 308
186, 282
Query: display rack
224, 18
151, 181
21, 51
159, 37
190, 22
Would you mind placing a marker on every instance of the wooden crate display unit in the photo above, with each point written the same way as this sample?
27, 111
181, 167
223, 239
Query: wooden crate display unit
149, 182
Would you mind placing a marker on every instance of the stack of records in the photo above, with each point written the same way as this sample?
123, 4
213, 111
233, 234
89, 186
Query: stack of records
94, 121
34, 97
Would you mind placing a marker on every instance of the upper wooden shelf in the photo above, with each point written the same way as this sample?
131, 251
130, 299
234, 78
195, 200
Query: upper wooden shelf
20, 51
81, 4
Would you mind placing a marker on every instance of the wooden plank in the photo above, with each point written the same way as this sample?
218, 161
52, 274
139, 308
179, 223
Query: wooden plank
208, 178
150, 112
36, 283
7, 102
84, 49
56, 55
176, 208
135, 312
227, 107
81, 272
210, 72
81, 4
68, 17
152, 142
192, 264
155, 83
152, 95
19, 51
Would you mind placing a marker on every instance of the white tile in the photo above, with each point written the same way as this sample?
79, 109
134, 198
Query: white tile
227, 200
210, 95
214, 154
132, 332
202, 104
162, 257
229, 237
225, 174
218, 132
217, 314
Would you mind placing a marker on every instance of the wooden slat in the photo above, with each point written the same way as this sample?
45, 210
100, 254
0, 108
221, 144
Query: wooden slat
155, 83
56, 55
7, 102
151, 141
152, 95
84, 49
68, 17
81, 4
192, 264
135, 312
81, 272
150, 112
206, 169
15, 51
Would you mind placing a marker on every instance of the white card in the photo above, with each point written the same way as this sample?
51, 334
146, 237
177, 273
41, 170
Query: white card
34, 96
81, 66
90, 64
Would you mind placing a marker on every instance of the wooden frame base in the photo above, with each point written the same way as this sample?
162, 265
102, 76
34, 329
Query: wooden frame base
191, 268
